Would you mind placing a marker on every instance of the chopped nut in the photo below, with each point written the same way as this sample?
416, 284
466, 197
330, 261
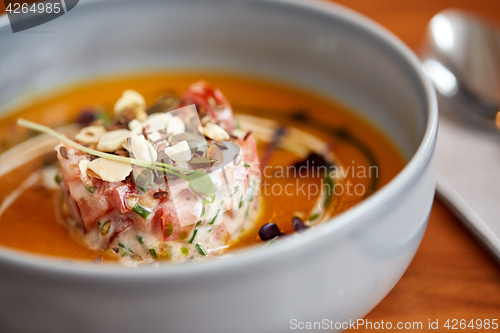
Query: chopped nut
200, 162
215, 132
104, 228
237, 159
221, 145
160, 194
133, 124
90, 134
83, 165
64, 152
131, 105
141, 148
179, 152
176, 126
239, 133
129, 98
194, 140
205, 120
109, 170
113, 140
247, 135
160, 121
154, 136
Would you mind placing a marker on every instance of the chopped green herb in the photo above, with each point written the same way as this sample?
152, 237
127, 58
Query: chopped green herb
91, 189
185, 251
202, 211
124, 253
140, 238
329, 191
57, 179
198, 223
143, 189
200, 249
192, 237
125, 248
215, 217
313, 217
141, 211
236, 188
153, 253
241, 202
246, 165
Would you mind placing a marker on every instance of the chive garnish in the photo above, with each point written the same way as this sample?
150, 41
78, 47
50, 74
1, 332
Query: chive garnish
192, 237
246, 165
200, 249
57, 179
215, 217
329, 191
140, 238
241, 202
184, 251
153, 253
141, 211
313, 217
125, 248
91, 189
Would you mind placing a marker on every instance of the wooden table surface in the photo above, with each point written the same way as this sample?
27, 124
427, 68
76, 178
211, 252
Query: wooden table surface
451, 277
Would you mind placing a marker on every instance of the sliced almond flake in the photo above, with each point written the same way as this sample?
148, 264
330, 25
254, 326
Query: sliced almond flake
90, 134
141, 148
154, 136
129, 98
239, 133
215, 132
133, 124
179, 152
176, 126
83, 165
205, 120
109, 170
113, 140
159, 121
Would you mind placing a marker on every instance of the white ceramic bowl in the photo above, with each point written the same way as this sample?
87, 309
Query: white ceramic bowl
337, 271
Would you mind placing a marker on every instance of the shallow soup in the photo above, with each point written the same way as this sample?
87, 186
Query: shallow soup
178, 167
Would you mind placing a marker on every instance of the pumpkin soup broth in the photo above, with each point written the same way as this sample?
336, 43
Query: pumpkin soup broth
30, 223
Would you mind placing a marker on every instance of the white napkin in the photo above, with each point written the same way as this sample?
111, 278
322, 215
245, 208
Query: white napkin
468, 165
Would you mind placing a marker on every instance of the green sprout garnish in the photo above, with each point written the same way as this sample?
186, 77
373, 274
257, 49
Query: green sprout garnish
199, 181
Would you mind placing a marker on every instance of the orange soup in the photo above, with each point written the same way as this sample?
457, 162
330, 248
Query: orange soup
367, 158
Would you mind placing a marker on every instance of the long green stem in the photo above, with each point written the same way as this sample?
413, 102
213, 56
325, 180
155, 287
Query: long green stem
143, 163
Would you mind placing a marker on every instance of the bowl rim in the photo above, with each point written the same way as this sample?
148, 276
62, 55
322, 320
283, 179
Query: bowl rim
28, 262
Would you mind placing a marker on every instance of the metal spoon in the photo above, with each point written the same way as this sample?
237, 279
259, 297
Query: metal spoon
462, 58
